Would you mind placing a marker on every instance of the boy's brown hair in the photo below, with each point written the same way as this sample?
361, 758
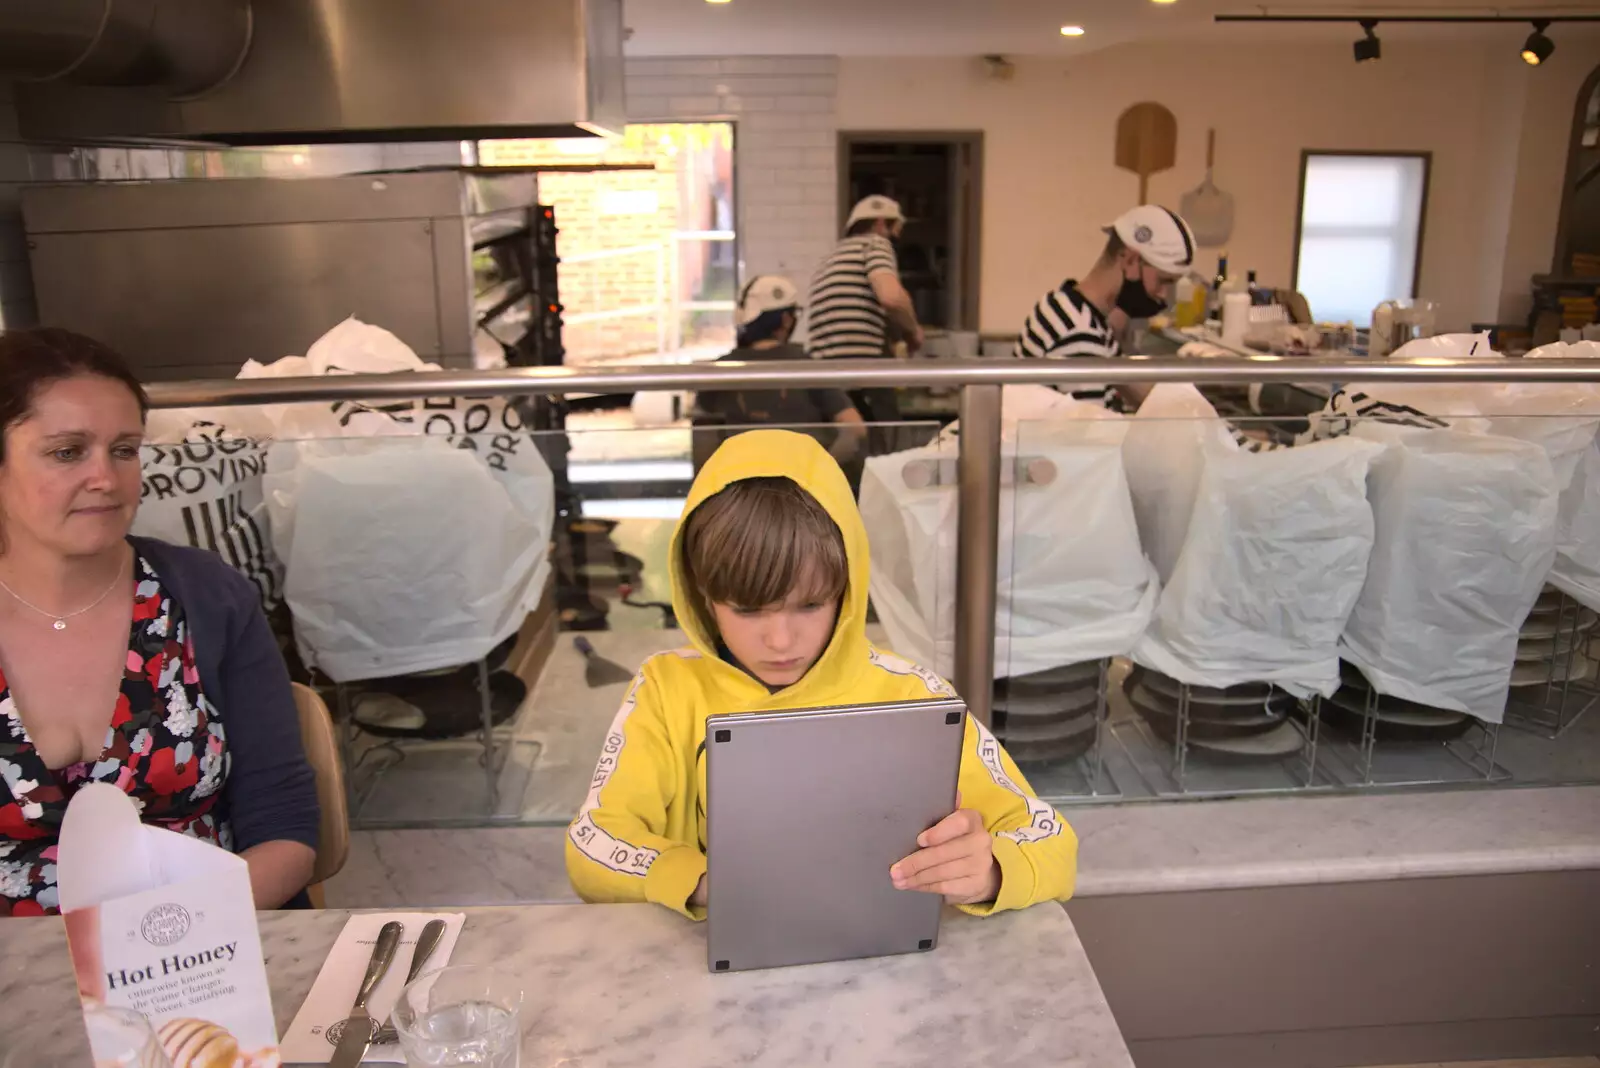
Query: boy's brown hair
758, 541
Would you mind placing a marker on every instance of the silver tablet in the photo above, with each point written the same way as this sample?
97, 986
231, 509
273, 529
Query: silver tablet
806, 812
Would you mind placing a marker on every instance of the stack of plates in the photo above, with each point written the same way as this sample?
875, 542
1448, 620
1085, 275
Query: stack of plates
1049, 715
1246, 722
1399, 720
1552, 629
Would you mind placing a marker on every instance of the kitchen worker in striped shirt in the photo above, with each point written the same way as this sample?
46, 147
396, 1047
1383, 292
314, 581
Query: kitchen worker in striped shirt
1147, 250
856, 297
857, 291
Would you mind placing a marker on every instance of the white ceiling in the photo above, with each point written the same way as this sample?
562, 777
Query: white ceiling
1011, 27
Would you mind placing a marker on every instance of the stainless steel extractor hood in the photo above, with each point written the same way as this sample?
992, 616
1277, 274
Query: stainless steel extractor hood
254, 72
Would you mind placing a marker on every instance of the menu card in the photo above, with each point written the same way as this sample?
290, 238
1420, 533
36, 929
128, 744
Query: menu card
316, 1028
165, 924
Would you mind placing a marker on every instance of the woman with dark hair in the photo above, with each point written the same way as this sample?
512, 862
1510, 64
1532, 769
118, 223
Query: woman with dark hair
126, 660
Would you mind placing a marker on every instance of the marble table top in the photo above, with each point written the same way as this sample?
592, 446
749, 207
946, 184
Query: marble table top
609, 986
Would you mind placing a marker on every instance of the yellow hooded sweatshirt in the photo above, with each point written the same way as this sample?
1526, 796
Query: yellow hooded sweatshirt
641, 833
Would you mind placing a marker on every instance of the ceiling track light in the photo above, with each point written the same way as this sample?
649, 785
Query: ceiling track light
1368, 48
1535, 50
1538, 48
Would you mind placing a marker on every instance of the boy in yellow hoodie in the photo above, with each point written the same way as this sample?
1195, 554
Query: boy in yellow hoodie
769, 578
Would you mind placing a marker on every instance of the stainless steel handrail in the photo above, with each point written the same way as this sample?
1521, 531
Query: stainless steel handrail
977, 542
854, 374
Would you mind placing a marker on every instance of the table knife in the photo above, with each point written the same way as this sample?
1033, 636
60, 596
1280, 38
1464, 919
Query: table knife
359, 1027
427, 942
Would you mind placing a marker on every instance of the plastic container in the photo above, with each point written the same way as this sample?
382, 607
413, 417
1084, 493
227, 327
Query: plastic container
1235, 317
1184, 311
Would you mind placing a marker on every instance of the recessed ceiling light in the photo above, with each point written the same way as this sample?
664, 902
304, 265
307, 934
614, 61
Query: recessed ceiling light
719, 1
1165, 1
1072, 31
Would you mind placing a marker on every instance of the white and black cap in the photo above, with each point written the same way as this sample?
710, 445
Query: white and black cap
1159, 236
875, 207
766, 293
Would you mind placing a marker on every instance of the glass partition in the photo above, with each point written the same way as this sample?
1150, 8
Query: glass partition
1401, 587
1399, 590
408, 556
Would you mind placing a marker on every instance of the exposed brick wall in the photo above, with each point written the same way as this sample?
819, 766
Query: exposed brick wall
785, 147
592, 213
615, 210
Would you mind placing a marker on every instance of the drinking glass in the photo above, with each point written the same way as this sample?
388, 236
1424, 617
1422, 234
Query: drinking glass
122, 1038
461, 1015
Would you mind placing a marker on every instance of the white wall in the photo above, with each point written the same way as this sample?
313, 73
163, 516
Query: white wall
1496, 129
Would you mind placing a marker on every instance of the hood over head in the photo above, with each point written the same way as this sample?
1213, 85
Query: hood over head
799, 458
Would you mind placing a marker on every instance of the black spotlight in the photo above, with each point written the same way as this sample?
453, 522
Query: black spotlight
1537, 48
1369, 47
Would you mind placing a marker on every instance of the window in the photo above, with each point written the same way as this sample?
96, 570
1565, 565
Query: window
1360, 234
647, 241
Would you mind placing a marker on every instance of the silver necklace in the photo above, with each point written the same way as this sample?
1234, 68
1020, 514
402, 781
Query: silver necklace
60, 621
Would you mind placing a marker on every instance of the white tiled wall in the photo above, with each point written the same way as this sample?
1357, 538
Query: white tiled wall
786, 145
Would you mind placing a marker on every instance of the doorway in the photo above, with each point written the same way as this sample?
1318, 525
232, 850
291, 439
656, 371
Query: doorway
938, 180
1578, 236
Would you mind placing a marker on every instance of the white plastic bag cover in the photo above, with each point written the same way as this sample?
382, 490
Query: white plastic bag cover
355, 347
1562, 417
352, 347
1029, 410
422, 553
1025, 406
204, 476
1421, 405
1073, 584
1479, 346
1164, 454
410, 554
1275, 557
208, 492
1577, 568
1465, 536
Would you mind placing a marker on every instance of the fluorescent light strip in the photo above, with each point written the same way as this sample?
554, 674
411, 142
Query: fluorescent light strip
642, 508
632, 471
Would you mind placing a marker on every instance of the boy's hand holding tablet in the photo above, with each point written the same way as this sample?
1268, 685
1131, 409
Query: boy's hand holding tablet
956, 860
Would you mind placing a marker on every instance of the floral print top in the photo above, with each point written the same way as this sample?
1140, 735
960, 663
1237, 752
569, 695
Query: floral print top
165, 748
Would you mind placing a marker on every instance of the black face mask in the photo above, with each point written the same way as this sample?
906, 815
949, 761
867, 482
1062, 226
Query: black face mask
1135, 300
